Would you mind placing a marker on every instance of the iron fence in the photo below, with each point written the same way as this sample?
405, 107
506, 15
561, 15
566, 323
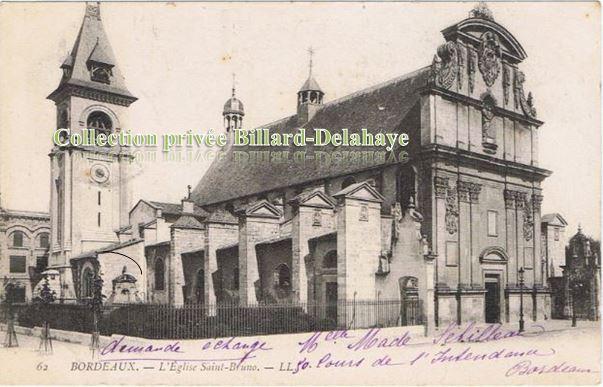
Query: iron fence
196, 321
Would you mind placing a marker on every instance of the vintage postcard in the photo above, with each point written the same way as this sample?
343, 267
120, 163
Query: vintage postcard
300, 193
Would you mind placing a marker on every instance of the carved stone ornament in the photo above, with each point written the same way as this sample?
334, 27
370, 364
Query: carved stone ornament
509, 198
520, 199
461, 54
452, 211
471, 67
463, 188
441, 186
445, 65
537, 201
364, 216
506, 83
489, 57
527, 104
316, 217
397, 218
488, 133
474, 190
93, 10
528, 220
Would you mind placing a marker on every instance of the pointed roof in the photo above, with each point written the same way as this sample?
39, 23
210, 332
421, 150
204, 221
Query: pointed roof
311, 85
91, 45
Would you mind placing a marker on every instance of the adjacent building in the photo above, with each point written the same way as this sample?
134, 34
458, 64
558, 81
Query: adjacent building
24, 246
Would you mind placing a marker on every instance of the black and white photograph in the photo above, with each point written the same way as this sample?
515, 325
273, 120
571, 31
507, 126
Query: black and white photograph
300, 193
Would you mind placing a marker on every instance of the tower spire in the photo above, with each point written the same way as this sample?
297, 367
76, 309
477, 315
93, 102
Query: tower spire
91, 64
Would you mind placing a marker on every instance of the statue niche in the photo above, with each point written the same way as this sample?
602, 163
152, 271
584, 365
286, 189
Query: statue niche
488, 131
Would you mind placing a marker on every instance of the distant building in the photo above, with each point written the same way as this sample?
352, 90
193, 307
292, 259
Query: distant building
553, 244
24, 243
582, 277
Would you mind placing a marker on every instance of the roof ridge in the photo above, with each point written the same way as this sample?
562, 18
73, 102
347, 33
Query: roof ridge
377, 86
354, 94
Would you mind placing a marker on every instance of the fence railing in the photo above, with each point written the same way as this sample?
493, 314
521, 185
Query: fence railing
193, 321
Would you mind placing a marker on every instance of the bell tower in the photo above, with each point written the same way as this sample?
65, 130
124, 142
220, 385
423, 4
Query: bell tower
309, 97
90, 195
233, 113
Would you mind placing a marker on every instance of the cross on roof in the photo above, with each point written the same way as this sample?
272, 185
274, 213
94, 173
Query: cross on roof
311, 53
233, 84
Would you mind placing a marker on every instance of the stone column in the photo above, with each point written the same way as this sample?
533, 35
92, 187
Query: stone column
540, 270
476, 228
257, 222
439, 228
358, 248
313, 216
219, 232
464, 237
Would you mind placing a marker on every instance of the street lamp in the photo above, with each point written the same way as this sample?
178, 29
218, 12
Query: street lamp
574, 285
521, 322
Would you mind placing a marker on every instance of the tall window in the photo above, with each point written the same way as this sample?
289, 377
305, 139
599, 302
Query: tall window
99, 198
98, 220
17, 264
159, 274
556, 234
44, 240
18, 239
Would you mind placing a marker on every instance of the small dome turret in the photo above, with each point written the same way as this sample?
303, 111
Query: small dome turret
233, 112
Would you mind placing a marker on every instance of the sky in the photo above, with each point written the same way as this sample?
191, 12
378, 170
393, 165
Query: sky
178, 59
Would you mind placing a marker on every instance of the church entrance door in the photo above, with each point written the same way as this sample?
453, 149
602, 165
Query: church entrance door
492, 285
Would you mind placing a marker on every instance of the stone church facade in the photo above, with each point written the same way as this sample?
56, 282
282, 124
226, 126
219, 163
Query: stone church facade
449, 223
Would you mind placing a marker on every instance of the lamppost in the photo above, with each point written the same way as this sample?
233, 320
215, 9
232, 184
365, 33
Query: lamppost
521, 322
11, 336
575, 284
96, 304
47, 297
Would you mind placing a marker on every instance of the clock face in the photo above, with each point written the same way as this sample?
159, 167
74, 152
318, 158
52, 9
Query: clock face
99, 173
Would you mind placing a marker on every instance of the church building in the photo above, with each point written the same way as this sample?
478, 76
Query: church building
448, 226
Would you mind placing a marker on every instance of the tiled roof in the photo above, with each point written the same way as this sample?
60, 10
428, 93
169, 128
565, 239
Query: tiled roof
310, 85
176, 208
553, 218
382, 108
92, 43
187, 221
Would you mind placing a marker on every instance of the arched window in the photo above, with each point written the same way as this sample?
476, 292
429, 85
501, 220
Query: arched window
87, 281
348, 181
100, 122
43, 240
18, 239
159, 274
282, 276
330, 260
